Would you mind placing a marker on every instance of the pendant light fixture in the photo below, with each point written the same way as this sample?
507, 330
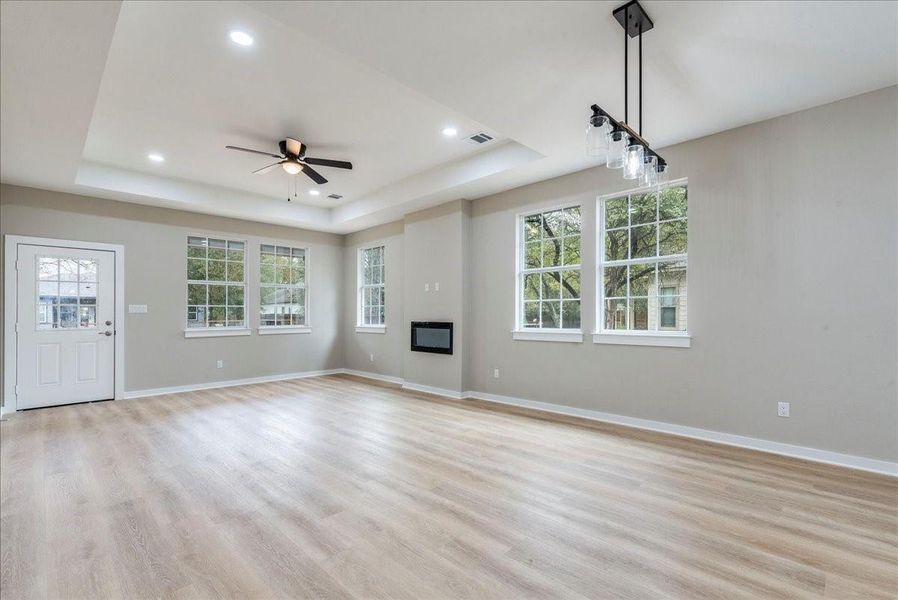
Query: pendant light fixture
624, 146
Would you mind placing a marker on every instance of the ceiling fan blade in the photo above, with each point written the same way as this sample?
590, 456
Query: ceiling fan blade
314, 175
326, 162
264, 170
254, 151
294, 147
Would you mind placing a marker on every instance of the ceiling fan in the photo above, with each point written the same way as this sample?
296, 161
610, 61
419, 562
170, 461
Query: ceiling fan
293, 159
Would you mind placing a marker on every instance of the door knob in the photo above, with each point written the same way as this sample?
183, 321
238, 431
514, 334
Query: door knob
106, 333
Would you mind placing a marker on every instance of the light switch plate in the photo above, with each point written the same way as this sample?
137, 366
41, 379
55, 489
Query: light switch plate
137, 308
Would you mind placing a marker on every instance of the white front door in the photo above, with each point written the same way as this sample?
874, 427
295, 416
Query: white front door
65, 326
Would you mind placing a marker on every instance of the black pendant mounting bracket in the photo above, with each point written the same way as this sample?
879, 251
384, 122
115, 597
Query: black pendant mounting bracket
633, 18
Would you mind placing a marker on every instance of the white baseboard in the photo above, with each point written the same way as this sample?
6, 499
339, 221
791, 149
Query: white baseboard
417, 387
223, 384
729, 439
377, 376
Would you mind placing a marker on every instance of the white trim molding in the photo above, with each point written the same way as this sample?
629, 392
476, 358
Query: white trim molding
728, 439
230, 383
10, 303
643, 339
207, 332
282, 329
547, 335
375, 376
371, 329
427, 389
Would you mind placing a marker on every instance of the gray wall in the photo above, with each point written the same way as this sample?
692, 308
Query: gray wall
156, 352
792, 288
388, 348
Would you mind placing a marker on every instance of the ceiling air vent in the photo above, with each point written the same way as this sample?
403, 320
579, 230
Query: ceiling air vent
335, 196
480, 138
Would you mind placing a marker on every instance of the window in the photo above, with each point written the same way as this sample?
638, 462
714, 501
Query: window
371, 287
549, 274
642, 261
215, 283
282, 286
67, 297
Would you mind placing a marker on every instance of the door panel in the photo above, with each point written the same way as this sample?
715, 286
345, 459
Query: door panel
65, 325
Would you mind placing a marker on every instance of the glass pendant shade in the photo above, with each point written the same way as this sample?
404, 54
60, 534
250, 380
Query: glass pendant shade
662, 173
634, 158
650, 174
617, 146
597, 136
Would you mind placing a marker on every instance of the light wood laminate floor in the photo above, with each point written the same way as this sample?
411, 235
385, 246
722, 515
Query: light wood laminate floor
333, 487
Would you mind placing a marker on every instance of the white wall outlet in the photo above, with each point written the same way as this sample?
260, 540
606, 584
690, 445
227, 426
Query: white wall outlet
495, 373
371, 358
137, 308
782, 409
436, 286
426, 287
219, 364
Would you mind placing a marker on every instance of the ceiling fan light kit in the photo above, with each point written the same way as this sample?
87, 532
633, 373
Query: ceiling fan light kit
293, 160
623, 146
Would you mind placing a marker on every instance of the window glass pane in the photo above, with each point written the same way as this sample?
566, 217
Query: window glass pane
196, 316
672, 238
551, 252
87, 292
552, 224
673, 203
531, 286
217, 294
531, 314
235, 295
533, 255
217, 316
48, 268
196, 269
642, 241
673, 274
571, 221
216, 270
49, 290
68, 316
616, 244
196, 241
642, 279
299, 297
639, 313
552, 286
235, 316
235, 271
68, 269
283, 251
532, 228
235, 255
268, 295
267, 249
68, 292
615, 282
570, 314
616, 213
217, 243
570, 287
87, 316
217, 253
235, 245
267, 274
196, 252
551, 314
571, 250
87, 270
196, 293
616, 313
643, 208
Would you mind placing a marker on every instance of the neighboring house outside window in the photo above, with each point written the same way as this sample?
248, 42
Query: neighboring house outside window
549, 270
215, 283
372, 287
643, 261
283, 295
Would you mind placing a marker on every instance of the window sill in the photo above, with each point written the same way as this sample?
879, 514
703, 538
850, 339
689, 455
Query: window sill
216, 332
283, 329
665, 340
371, 329
548, 335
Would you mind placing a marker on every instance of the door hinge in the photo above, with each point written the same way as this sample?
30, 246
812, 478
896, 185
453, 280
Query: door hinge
17, 328
18, 389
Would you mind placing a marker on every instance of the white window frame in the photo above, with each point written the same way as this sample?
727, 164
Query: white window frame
285, 329
533, 334
361, 327
205, 332
663, 338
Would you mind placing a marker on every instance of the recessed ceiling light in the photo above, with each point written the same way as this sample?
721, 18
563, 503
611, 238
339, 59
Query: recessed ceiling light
156, 157
450, 131
242, 38
314, 192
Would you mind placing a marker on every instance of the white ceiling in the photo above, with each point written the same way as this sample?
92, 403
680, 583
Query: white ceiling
88, 89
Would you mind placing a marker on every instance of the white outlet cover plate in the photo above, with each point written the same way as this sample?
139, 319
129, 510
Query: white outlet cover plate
137, 308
